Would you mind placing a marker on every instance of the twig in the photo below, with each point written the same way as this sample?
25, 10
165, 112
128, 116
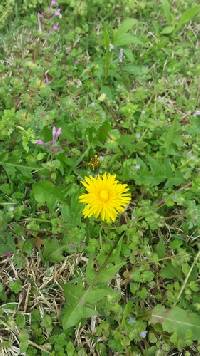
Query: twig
27, 296
39, 22
38, 346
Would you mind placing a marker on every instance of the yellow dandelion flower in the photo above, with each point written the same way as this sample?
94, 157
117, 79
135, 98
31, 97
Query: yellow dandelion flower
105, 197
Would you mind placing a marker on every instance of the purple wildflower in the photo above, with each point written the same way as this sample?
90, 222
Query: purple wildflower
56, 27
53, 2
56, 132
143, 334
39, 142
57, 13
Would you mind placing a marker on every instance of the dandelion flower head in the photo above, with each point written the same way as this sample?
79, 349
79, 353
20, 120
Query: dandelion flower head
106, 197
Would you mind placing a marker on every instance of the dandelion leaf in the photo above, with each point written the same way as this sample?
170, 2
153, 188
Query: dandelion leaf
185, 324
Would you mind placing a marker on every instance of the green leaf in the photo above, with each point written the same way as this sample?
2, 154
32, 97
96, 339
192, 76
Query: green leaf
136, 70
172, 138
187, 16
23, 340
15, 286
47, 192
166, 9
159, 171
53, 250
167, 30
160, 249
171, 272
127, 25
82, 303
184, 323
1, 288
121, 36
108, 273
7, 243
125, 39
96, 294
75, 309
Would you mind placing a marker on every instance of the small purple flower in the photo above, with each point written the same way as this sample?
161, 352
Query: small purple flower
39, 142
53, 2
143, 334
56, 27
57, 13
56, 132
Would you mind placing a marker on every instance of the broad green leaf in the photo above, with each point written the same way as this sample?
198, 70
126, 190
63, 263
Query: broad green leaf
125, 39
160, 248
75, 309
73, 292
81, 303
96, 294
184, 323
108, 273
172, 138
159, 171
121, 36
127, 25
23, 340
90, 272
136, 70
167, 30
15, 286
171, 272
187, 16
74, 316
53, 250
46, 192
166, 9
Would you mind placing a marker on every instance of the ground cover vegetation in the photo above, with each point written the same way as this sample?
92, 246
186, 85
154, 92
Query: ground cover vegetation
89, 87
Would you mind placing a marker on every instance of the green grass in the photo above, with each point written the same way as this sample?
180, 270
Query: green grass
121, 79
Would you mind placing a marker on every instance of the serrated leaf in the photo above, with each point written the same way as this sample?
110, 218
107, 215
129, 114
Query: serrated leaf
184, 323
170, 272
187, 16
159, 171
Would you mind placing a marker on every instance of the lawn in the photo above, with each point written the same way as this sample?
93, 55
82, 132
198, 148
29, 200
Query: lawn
110, 90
